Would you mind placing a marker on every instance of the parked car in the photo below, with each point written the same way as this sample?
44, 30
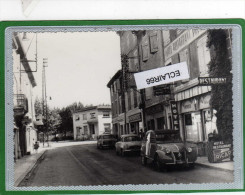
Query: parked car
106, 141
166, 148
128, 143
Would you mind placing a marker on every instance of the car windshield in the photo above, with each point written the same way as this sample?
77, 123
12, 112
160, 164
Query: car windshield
131, 138
167, 138
108, 136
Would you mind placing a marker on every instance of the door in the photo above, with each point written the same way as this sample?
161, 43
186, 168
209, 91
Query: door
193, 127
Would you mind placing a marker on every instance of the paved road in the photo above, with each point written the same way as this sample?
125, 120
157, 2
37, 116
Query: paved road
86, 165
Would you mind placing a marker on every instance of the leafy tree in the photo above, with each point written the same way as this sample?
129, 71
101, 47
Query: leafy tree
221, 95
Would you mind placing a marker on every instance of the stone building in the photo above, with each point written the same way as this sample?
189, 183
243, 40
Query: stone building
183, 105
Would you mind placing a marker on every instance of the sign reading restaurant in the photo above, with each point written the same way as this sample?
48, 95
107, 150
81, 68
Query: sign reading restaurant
211, 80
180, 42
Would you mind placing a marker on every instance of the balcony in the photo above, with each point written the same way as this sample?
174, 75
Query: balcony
20, 104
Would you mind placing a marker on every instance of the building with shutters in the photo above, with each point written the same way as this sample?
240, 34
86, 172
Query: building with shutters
92, 121
25, 131
183, 105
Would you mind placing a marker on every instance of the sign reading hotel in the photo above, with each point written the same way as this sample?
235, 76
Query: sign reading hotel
163, 75
205, 81
180, 42
175, 114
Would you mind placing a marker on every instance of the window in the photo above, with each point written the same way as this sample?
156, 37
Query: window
106, 114
129, 99
145, 51
170, 122
151, 124
84, 116
188, 119
166, 37
78, 130
77, 117
135, 99
154, 43
160, 123
184, 57
148, 93
85, 130
203, 55
92, 115
107, 127
179, 31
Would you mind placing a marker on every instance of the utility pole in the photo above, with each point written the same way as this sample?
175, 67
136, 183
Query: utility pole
44, 96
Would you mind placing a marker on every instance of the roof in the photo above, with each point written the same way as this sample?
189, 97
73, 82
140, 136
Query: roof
99, 107
116, 76
25, 61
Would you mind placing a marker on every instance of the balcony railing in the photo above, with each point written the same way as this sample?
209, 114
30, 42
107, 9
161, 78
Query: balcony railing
20, 103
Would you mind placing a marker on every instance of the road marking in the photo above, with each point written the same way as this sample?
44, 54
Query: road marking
87, 173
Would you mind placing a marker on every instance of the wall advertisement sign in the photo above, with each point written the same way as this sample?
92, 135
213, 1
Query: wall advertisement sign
219, 151
135, 117
180, 42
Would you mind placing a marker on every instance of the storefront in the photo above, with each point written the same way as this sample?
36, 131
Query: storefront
198, 121
135, 122
118, 125
155, 117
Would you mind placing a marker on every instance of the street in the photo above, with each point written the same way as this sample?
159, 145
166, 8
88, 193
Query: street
87, 165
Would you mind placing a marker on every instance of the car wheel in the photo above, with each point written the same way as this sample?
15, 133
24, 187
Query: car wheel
158, 166
143, 160
122, 153
192, 165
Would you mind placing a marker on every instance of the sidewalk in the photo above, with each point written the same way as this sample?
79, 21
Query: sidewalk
25, 164
225, 166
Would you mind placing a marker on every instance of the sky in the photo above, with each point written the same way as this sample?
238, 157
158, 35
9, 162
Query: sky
79, 66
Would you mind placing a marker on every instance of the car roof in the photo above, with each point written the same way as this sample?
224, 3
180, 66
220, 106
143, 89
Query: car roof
129, 135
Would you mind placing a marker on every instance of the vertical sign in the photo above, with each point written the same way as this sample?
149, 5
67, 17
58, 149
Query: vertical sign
175, 114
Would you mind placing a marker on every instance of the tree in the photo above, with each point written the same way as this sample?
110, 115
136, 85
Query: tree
38, 106
66, 120
221, 95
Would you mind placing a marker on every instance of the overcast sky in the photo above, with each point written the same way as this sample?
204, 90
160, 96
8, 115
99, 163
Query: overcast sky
79, 66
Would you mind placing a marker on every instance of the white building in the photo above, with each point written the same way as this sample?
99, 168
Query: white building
25, 133
90, 122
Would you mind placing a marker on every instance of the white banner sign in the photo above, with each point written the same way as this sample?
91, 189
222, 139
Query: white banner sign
164, 75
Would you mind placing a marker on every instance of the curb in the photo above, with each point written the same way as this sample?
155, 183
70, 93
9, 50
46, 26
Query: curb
30, 170
212, 167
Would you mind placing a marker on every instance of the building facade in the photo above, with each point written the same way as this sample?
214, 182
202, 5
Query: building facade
183, 105
25, 132
92, 121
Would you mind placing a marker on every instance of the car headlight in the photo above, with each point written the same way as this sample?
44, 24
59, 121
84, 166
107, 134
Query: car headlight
189, 149
167, 151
